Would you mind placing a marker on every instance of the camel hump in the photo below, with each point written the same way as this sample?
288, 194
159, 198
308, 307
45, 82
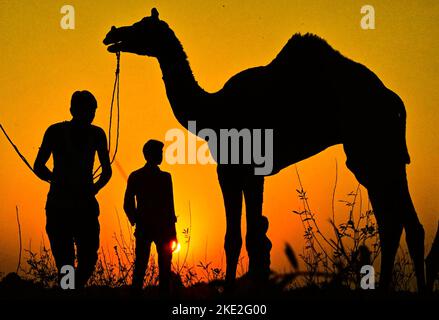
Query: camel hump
305, 47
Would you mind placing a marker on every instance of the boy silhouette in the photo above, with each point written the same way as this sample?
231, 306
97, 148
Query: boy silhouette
71, 209
149, 204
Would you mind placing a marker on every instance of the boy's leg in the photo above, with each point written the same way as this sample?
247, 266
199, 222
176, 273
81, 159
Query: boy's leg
143, 247
164, 251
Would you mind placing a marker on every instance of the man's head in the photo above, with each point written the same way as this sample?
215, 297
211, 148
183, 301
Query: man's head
153, 152
83, 106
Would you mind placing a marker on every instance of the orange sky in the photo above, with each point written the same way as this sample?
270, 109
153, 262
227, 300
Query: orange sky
42, 64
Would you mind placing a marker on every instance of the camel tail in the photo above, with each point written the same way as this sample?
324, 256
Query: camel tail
407, 155
402, 115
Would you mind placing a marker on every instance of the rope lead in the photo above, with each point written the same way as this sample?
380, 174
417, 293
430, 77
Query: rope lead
17, 150
115, 93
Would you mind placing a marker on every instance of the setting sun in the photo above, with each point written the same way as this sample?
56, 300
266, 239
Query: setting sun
175, 246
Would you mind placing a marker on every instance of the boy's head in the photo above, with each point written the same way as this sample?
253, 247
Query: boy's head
83, 106
153, 152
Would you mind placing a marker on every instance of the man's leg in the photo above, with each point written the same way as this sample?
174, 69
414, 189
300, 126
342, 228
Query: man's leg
164, 259
60, 238
87, 246
143, 247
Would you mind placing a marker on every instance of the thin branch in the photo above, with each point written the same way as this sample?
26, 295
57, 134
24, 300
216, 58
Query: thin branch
19, 238
333, 191
305, 201
188, 238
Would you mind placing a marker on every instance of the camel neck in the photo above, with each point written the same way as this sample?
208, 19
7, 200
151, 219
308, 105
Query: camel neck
183, 91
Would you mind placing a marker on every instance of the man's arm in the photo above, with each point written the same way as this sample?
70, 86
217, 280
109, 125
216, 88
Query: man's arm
104, 159
129, 203
43, 156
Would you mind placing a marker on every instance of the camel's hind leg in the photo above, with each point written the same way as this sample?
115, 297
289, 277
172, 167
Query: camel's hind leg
389, 226
394, 210
378, 155
415, 235
432, 262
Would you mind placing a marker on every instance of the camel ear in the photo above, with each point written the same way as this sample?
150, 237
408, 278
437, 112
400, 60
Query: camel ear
154, 13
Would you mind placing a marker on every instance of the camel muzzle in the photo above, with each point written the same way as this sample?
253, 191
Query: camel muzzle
116, 35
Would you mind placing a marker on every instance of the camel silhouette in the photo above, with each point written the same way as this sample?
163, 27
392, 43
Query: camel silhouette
312, 97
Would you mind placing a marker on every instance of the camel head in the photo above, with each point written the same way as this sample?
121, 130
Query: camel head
148, 37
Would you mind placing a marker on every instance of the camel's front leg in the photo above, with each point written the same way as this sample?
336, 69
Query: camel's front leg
231, 186
257, 243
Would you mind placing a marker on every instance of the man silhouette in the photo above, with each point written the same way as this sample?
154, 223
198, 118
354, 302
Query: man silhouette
149, 204
71, 209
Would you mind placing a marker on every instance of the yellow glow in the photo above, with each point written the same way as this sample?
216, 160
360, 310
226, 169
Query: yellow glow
175, 246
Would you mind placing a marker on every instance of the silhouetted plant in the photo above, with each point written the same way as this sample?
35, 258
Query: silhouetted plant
337, 260
354, 243
41, 267
115, 270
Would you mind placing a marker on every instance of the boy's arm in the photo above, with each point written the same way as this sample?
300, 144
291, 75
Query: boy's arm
43, 156
129, 203
171, 200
